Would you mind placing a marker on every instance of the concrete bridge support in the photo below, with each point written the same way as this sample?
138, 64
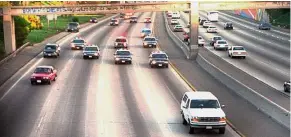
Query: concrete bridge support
9, 31
193, 52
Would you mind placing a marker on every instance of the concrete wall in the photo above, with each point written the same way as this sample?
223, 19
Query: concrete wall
255, 14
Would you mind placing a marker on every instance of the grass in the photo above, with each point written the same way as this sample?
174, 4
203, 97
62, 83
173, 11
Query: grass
283, 21
36, 36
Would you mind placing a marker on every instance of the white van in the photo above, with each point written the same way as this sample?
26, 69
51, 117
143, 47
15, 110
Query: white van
201, 109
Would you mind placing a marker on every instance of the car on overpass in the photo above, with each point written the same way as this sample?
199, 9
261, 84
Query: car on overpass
114, 22
120, 42
51, 50
206, 24
145, 32
214, 39
91, 51
186, 35
228, 25
73, 27
150, 41
220, 44
211, 29
158, 59
202, 21
147, 20
43, 74
93, 20
202, 110
133, 19
175, 15
287, 86
178, 28
264, 26
78, 43
122, 56
174, 22
237, 51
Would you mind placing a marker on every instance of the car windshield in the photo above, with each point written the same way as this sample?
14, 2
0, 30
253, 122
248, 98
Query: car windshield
147, 31
122, 52
217, 38
113, 20
73, 24
91, 49
211, 27
149, 39
78, 41
50, 47
42, 70
133, 17
199, 37
238, 48
178, 26
120, 40
221, 42
204, 104
159, 56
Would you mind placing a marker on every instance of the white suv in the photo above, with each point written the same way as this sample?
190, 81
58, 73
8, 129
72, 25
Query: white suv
201, 109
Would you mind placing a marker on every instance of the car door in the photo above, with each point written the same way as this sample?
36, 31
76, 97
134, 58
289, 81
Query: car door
186, 110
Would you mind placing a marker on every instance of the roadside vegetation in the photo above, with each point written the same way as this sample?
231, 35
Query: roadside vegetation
279, 17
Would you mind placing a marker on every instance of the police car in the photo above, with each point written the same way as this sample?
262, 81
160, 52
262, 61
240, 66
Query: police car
120, 42
78, 43
158, 59
122, 56
150, 41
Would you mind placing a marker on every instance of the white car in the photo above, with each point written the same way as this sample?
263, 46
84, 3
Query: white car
206, 24
221, 44
211, 29
175, 15
178, 28
201, 109
201, 41
174, 22
237, 51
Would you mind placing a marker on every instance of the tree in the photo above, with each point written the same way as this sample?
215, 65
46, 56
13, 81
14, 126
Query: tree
21, 30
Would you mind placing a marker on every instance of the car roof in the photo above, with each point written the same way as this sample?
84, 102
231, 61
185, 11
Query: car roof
146, 29
200, 95
121, 37
217, 36
51, 44
80, 38
44, 67
149, 37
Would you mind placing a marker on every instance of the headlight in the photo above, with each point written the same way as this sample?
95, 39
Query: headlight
115, 43
72, 45
32, 77
154, 62
95, 54
117, 59
195, 119
166, 62
44, 52
84, 53
222, 119
45, 77
90, 20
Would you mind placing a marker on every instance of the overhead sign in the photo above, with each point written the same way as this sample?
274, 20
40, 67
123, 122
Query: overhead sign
142, 7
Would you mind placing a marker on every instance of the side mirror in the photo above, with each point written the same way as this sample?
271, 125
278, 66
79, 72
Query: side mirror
222, 106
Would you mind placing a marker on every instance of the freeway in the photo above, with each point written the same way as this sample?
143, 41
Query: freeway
260, 66
243, 115
97, 97
269, 51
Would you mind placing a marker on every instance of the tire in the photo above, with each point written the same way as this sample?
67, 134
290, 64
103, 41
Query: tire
191, 130
115, 62
97, 57
152, 66
214, 47
44, 56
32, 83
222, 130
129, 62
84, 57
285, 89
49, 82
244, 57
55, 78
184, 120
167, 66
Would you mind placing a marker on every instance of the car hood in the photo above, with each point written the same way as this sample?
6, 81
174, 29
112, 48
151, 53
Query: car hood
150, 41
207, 112
123, 56
49, 50
160, 59
40, 74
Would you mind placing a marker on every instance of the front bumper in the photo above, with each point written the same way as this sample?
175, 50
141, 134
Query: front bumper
33, 80
208, 125
221, 47
150, 45
113, 24
90, 55
50, 54
178, 30
123, 60
159, 64
77, 47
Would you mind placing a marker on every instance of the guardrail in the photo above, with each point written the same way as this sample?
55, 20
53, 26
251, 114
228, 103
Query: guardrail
14, 53
279, 114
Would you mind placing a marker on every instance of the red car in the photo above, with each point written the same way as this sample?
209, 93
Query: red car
147, 20
43, 74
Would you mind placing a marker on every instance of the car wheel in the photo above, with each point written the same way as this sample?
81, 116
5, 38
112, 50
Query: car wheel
97, 57
84, 57
55, 78
222, 130
167, 66
191, 130
244, 57
285, 89
49, 82
214, 47
115, 62
129, 62
44, 56
152, 66
231, 56
184, 120
32, 83
228, 55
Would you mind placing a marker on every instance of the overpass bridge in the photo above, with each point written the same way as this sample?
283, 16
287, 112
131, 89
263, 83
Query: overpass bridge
193, 7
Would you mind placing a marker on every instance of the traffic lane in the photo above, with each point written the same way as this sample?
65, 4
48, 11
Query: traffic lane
254, 62
33, 97
251, 123
163, 87
279, 47
260, 71
283, 34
